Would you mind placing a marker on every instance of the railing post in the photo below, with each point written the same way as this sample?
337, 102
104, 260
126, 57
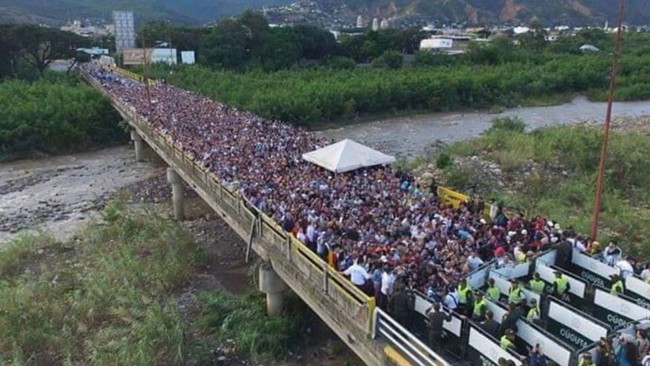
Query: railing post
289, 247
325, 278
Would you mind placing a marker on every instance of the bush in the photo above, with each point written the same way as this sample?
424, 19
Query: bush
459, 179
510, 124
390, 60
444, 161
341, 63
54, 115
244, 320
102, 299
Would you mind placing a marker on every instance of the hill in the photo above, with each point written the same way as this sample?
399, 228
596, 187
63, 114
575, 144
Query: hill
549, 12
57, 12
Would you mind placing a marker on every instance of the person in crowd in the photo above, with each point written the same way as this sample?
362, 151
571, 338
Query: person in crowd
492, 293
510, 318
464, 293
400, 305
642, 343
564, 254
605, 353
612, 253
534, 312
436, 318
479, 308
645, 361
507, 341
624, 267
489, 325
537, 358
537, 285
515, 293
451, 299
626, 352
561, 285
387, 283
586, 360
617, 285
358, 274
595, 251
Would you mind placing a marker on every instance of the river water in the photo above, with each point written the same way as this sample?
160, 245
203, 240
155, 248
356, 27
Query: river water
415, 135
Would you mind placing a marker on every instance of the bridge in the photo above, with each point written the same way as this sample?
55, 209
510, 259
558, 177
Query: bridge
371, 333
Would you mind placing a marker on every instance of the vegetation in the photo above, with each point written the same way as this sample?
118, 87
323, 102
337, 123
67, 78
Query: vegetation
102, 299
562, 185
110, 297
244, 320
307, 87
53, 115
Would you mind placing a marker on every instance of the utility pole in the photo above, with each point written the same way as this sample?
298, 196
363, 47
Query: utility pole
608, 118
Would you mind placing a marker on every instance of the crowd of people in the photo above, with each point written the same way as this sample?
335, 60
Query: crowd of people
380, 219
381, 227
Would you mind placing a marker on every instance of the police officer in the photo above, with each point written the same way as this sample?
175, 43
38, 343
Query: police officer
508, 339
478, 314
533, 315
617, 285
537, 285
561, 285
515, 294
464, 296
586, 360
493, 292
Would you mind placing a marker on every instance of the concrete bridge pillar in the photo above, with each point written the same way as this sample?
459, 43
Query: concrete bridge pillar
177, 193
273, 286
139, 146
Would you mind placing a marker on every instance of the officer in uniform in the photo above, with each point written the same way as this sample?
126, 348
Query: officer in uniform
533, 315
561, 286
617, 285
515, 294
479, 307
537, 285
508, 339
493, 292
586, 360
464, 297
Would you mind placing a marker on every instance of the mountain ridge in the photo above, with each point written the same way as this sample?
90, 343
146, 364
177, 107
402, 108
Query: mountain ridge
474, 12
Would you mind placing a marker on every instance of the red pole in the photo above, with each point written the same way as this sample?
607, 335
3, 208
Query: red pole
608, 117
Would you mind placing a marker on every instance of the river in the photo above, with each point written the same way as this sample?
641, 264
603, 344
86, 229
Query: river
415, 135
61, 194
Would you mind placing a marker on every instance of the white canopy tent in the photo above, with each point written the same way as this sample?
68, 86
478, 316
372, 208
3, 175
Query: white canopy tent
347, 155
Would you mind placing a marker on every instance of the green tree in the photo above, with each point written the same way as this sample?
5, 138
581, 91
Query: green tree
40, 46
281, 49
315, 43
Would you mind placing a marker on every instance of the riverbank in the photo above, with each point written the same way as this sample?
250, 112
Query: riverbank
412, 136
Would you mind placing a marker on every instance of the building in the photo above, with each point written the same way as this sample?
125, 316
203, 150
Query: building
86, 29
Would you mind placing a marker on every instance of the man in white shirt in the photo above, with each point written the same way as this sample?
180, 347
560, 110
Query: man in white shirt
451, 299
624, 268
358, 274
387, 282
